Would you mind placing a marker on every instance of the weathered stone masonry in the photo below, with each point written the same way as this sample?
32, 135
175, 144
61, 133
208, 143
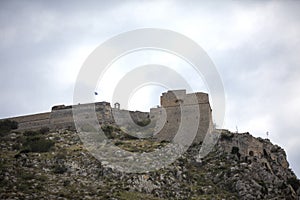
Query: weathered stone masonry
61, 116
35, 121
172, 101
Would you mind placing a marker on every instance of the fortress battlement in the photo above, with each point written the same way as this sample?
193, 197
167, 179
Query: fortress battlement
61, 116
177, 97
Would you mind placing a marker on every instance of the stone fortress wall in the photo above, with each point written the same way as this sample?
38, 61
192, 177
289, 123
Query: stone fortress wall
34, 122
61, 116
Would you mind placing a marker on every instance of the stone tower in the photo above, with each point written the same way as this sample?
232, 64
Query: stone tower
171, 103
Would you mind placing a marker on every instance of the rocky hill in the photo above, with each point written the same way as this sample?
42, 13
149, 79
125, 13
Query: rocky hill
55, 165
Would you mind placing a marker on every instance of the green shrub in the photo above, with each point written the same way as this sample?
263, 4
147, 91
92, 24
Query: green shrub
118, 143
37, 144
4, 132
61, 155
31, 133
44, 130
27, 176
114, 132
107, 129
6, 126
226, 136
145, 122
59, 168
16, 146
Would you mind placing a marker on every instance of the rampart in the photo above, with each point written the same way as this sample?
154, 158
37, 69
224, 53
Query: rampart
61, 117
34, 122
168, 117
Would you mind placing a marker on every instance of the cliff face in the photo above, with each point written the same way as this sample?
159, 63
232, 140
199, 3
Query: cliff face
264, 169
55, 165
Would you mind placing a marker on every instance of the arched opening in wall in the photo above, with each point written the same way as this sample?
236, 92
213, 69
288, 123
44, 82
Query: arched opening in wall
251, 153
117, 105
266, 155
235, 150
180, 101
266, 167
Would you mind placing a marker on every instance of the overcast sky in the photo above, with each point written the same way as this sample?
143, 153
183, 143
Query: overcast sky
255, 46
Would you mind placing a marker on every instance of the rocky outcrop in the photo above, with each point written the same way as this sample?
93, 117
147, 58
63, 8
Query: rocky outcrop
261, 170
239, 167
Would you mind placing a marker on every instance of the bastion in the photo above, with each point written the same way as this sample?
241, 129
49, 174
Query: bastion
174, 104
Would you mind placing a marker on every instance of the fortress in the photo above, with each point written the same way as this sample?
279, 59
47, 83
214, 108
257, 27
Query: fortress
196, 107
238, 160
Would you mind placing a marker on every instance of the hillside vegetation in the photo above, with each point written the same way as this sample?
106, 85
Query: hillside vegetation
55, 165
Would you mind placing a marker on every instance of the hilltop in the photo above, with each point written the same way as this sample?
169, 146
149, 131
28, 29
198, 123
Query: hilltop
47, 164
